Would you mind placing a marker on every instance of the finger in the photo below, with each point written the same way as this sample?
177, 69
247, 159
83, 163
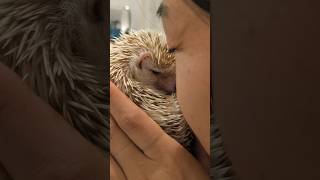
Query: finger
116, 172
138, 126
124, 151
47, 141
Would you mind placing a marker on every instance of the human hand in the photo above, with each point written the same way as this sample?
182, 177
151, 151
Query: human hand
140, 149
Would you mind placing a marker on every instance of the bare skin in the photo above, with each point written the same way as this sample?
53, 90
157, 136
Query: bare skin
147, 72
159, 156
187, 30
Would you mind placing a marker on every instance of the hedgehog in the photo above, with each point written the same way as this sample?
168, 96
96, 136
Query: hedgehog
43, 42
47, 44
142, 68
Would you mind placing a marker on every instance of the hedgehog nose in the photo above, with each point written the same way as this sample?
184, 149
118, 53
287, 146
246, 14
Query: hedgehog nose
171, 88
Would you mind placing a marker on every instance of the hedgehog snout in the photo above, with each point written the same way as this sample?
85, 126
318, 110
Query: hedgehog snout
168, 85
171, 88
169, 91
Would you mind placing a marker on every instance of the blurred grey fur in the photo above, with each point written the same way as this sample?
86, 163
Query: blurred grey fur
40, 41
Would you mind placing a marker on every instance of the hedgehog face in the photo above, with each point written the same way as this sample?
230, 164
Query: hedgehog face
150, 63
143, 56
147, 71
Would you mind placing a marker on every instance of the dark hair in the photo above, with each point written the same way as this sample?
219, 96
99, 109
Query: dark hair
203, 4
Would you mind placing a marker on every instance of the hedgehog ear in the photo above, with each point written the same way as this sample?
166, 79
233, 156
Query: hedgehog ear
144, 59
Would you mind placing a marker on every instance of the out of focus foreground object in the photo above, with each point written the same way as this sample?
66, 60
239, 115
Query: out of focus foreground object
267, 87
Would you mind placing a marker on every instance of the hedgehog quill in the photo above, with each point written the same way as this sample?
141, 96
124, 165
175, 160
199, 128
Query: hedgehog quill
47, 43
41, 41
142, 67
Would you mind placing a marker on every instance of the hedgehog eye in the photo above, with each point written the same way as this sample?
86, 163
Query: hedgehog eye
172, 50
155, 72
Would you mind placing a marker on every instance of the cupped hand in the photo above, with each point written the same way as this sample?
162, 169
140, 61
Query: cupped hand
141, 150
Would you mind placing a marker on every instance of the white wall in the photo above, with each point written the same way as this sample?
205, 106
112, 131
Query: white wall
143, 13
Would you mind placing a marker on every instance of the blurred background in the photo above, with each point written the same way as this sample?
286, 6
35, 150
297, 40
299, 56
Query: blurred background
126, 15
